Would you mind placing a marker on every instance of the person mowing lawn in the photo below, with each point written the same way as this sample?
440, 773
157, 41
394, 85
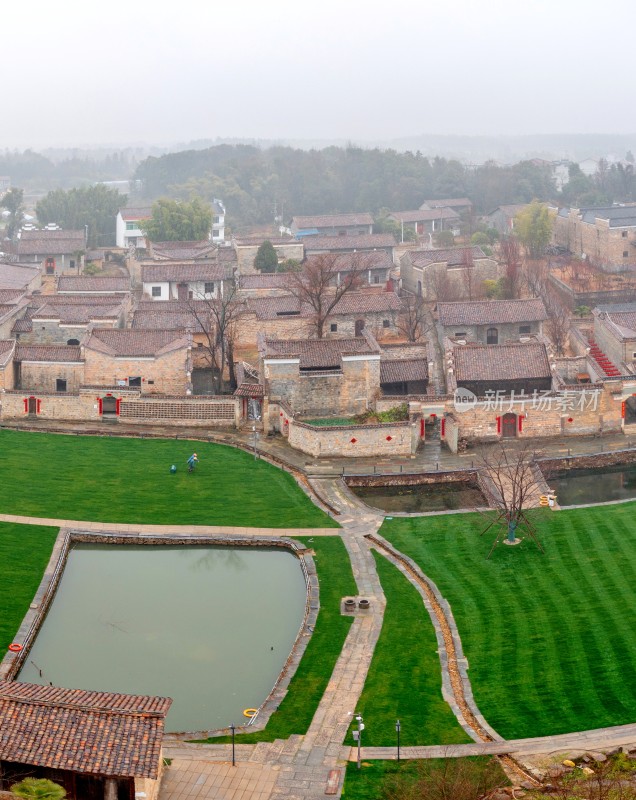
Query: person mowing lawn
194, 459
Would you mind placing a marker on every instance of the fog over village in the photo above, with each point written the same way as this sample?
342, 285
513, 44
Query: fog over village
317, 401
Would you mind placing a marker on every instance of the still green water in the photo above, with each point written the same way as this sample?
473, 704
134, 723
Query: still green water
210, 627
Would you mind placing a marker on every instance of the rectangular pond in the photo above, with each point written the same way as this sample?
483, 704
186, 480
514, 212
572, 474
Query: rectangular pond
423, 497
599, 485
210, 627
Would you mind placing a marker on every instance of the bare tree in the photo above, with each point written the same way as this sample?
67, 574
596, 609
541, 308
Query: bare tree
217, 318
445, 779
411, 322
558, 322
508, 479
468, 273
535, 276
323, 280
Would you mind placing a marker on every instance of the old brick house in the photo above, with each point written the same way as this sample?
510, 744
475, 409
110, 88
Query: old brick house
356, 224
246, 249
363, 243
615, 335
63, 319
605, 236
97, 745
490, 321
55, 251
175, 280
427, 221
454, 273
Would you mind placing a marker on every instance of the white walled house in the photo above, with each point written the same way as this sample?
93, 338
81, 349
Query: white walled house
218, 221
178, 281
127, 230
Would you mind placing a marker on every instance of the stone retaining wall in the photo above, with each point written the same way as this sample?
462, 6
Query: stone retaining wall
385, 439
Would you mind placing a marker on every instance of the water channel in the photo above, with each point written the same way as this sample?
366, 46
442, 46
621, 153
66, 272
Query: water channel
210, 627
599, 485
422, 497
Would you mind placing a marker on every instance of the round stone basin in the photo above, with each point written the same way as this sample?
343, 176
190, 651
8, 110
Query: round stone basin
210, 627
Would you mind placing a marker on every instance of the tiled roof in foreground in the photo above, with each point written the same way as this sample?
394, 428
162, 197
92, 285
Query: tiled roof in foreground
90, 732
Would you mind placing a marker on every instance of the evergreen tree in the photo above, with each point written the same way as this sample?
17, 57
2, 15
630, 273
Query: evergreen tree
266, 259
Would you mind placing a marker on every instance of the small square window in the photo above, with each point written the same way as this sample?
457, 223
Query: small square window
624, 234
376, 279
333, 327
208, 287
136, 381
461, 335
385, 323
60, 385
156, 291
625, 253
524, 328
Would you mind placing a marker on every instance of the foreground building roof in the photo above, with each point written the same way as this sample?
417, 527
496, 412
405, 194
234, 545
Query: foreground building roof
136, 343
501, 362
486, 312
320, 353
90, 732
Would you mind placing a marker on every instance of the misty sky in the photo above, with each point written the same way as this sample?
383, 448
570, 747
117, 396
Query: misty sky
151, 71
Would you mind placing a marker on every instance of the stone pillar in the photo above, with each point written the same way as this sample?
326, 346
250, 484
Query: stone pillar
265, 416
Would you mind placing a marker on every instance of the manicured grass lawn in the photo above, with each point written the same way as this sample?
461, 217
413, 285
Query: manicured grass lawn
550, 638
128, 480
310, 680
404, 680
379, 779
24, 553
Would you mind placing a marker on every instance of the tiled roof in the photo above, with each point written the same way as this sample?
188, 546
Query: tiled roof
90, 283
359, 260
622, 318
509, 210
6, 349
265, 280
424, 215
134, 214
43, 243
617, 216
48, 352
13, 276
320, 353
332, 220
136, 343
89, 732
412, 369
451, 202
365, 241
257, 241
452, 256
6, 309
500, 362
158, 319
175, 272
249, 390
183, 251
491, 312
10, 296
77, 299
351, 303
76, 314
24, 325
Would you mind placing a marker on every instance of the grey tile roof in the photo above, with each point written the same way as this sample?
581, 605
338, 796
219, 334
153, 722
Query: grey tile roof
76, 314
183, 251
6, 350
175, 272
424, 215
44, 243
402, 371
320, 353
265, 280
13, 276
366, 241
102, 733
351, 303
450, 202
48, 353
91, 283
158, 319
332, 220
359, 260
491, 312
500, 362
136, 342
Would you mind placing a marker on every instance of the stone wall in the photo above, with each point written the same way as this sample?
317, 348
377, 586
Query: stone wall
218, 412
550, 419
166, 374
351, 390
42, 377
477, 333
609, 248
51, 406
351, 441
439, 282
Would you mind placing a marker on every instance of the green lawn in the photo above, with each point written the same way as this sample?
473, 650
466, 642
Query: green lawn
439, 778
310, 680
24, 553
404, 679
550, 639
128, 480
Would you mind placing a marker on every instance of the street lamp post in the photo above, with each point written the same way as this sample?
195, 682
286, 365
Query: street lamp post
255, 441
233, 728
357, 735
398, 728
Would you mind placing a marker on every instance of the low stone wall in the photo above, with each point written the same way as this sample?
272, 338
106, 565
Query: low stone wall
210, 412
385, 439
550, 465
415, 479
51, 406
